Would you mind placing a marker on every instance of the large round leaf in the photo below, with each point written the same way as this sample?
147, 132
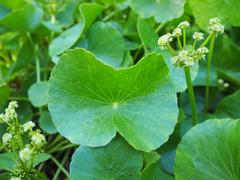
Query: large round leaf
91, 101
210, 150
117, 160
161, 10
227, 10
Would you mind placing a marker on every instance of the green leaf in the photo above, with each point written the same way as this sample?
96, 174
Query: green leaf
88, 13
38, 94
117, 160
91, 101
227, 11
13, 4
150, 45
8, 161
161, 10
25, 19
229, 106
106, 43
41, 158
4, 92
210, 151
154, 172
46, 124
25, 57
226, 60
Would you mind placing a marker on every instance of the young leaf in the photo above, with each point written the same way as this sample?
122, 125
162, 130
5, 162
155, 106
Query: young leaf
210, 151
24, 19
91, 101
106, 43
46, 124
161, 10
38, 94
229, 106
8, 161
88, 13
117, 160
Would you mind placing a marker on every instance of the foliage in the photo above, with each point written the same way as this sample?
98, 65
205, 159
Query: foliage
119, 89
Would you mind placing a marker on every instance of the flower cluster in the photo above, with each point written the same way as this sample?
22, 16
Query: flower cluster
198, 36
37, 140
187, 58
189, 54
12, 140
10, 113
164, 40
215, 25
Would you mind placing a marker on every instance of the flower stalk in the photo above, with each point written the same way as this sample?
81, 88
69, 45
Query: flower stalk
191, 95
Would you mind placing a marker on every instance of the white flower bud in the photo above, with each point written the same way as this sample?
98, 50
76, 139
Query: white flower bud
13, 104
220, 81
25, 154
37, 138
164, 40
184, 25
177, 32
183, 59
6, 138
198, 36
226, 85
28, 126
215, 25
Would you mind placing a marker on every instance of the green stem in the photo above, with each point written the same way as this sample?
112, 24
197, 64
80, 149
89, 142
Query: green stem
110, 15
60, 166
179, 43
62, 163
194, 45
206, 40
18, 99
184, 38
212, 43
191, 95
38, 73
159, 27
172, 51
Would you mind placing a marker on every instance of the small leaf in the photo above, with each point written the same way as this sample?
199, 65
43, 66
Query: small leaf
229, 106
91, 101
46, 123
117, 160
38, 94
88, 13
210, 151
24, 19
8, 161
161, 10
154, 172
4, 92
41, 158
